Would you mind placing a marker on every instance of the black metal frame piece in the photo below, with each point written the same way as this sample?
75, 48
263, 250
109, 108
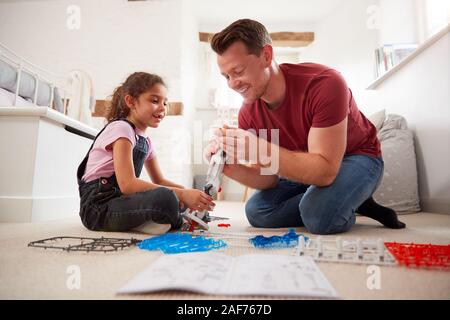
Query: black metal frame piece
86, 244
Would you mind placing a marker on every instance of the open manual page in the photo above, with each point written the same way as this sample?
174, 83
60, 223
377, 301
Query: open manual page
220, 274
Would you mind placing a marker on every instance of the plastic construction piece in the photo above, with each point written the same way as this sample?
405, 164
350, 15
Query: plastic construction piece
214, 174
214, 218
200, 219
224, 225
334, 249
180, 242
84, 244
287, 240
421, 255
194, 220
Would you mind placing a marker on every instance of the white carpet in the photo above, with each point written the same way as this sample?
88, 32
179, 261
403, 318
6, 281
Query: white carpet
32, 273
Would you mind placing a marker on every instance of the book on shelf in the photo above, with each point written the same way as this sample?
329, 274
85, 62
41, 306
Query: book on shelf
389, 55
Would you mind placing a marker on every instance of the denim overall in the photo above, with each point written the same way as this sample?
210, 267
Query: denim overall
103, 206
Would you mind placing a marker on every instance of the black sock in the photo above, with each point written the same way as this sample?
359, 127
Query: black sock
386, 216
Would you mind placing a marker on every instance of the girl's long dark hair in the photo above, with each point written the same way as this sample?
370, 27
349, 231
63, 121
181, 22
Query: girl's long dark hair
135, 85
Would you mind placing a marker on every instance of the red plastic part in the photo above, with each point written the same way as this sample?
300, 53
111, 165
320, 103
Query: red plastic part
420, 255
192, 227
224, 225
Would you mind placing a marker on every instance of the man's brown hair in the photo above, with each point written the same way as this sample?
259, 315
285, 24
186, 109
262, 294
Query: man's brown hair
252, 33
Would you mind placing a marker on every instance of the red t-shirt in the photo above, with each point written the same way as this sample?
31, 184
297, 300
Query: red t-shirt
316, 96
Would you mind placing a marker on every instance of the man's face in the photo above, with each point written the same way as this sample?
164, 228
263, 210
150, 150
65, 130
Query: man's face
246, 73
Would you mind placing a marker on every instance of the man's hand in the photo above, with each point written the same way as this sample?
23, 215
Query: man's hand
213, 145
239, 145
211, 149
245, 146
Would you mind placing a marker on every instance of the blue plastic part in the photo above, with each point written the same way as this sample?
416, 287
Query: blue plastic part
287, 240
180, 242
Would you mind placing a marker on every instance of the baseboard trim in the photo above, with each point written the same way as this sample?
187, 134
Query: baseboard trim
435, 205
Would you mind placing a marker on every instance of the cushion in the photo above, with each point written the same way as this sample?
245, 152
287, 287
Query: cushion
7, 99
57, 100
8, 79
399, 187
377, 118
8, 75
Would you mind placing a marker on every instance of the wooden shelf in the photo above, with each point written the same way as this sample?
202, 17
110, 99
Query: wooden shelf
279, 39
175, 108
292, 39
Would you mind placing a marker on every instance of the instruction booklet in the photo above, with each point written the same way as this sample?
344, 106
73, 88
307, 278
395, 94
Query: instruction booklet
220, 274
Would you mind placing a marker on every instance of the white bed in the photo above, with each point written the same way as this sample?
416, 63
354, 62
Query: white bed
41, 146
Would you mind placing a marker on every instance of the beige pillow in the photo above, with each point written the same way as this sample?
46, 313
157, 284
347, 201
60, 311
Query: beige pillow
377, 118
398, 189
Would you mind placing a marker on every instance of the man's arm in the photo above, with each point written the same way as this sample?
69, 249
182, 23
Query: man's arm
320, 166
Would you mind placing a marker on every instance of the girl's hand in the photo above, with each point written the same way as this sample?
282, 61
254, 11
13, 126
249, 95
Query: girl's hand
197, 200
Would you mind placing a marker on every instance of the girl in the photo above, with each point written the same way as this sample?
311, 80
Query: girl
112, 197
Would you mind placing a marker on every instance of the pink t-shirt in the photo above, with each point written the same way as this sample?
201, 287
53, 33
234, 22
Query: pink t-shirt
100, 162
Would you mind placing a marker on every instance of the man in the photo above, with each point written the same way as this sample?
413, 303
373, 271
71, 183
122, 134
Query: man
329, 159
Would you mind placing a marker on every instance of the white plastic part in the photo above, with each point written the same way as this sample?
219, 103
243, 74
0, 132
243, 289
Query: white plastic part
301, 245
193, 217
319, 247
380, 249
359, 249
338, 247
335, 249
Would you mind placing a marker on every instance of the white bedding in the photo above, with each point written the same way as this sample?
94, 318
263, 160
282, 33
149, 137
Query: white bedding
7, 99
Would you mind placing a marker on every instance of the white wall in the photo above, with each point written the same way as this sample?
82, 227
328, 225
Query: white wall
38, 172
420, 92
190, 64
116, 38
344, 41
398, 22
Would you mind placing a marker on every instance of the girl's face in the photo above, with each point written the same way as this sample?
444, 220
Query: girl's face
150, 107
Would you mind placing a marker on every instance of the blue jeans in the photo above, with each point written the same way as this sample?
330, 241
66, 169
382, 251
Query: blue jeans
104, 208
322, 210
